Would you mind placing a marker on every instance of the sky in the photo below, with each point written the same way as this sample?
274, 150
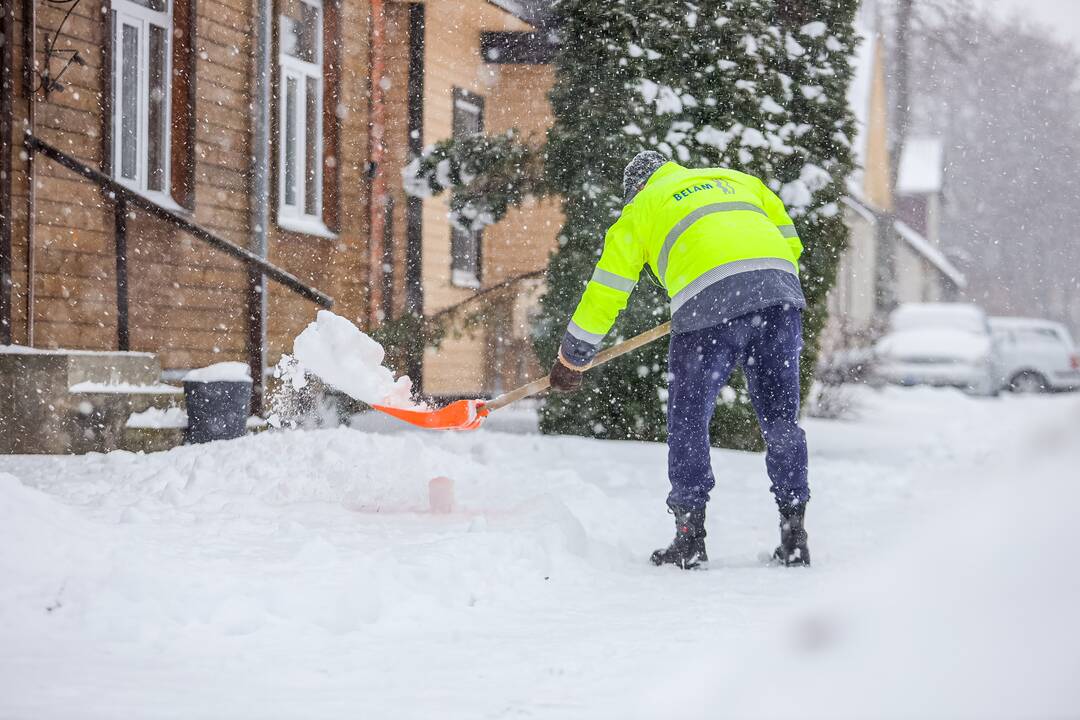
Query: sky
1063, 16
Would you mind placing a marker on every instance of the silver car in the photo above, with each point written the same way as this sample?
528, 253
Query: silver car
941, 344
1035, 355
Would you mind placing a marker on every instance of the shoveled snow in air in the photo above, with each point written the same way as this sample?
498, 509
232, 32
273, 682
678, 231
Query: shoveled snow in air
302, 574
343, 357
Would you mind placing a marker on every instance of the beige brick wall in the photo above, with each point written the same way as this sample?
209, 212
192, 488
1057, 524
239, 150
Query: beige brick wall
187, 301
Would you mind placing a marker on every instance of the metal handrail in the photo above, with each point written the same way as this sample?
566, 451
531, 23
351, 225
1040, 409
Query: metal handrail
127, 195
256, 266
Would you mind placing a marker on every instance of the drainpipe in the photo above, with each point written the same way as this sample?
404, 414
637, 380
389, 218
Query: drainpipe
376, 130
7, 115
414, 206
30, 88
260, 190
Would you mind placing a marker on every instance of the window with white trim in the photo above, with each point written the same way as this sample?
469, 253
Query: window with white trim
300, 113
465, 245
141, 39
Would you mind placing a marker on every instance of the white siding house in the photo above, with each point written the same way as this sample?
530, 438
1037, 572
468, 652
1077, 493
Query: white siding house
923, 272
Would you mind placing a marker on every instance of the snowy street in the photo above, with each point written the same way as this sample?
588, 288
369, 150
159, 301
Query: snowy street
343, 345
302, 574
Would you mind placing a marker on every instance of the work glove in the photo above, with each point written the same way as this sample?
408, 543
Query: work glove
565, 378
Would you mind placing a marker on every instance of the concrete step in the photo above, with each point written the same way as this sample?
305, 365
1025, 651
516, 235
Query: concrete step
151, 439
154, 430
98, 414
113, 368
72, 401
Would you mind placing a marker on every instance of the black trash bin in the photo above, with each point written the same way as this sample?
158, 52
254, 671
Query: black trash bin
218, 402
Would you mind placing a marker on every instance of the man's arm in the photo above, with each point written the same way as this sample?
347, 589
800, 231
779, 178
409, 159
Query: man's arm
605, 296
776, 211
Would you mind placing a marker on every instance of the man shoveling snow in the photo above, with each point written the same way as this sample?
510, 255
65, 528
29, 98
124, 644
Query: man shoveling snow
727, 252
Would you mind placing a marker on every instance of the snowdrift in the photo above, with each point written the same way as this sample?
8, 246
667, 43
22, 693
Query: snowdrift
302, 574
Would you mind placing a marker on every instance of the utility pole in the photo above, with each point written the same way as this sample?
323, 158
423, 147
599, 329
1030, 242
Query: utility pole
901, 119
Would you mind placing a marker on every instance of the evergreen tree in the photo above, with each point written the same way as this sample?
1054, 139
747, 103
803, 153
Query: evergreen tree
750, 84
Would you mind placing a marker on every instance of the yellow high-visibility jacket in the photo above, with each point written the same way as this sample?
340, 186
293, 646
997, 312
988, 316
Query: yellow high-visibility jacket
695, 229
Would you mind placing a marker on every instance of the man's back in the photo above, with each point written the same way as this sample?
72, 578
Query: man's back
691, 221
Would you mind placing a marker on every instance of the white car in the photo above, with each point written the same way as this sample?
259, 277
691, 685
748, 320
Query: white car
942, 344
1035, 355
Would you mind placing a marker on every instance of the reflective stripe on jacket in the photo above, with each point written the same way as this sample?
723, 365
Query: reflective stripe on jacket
694, 228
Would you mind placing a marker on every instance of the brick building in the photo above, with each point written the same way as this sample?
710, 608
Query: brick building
276, 126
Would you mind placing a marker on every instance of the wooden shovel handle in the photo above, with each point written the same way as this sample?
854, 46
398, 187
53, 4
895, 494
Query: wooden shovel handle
541, 384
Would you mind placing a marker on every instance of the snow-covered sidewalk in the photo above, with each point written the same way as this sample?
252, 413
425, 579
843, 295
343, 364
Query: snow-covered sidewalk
301, 575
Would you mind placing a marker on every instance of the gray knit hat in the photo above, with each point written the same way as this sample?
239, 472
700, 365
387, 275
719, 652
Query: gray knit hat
638, 171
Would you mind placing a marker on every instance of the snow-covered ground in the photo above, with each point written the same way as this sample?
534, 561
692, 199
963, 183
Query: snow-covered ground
302, 575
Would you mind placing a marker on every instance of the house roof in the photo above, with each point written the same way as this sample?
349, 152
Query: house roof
924, 247
922, 166
913, 238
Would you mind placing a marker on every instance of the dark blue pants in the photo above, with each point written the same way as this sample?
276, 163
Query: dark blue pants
766, 344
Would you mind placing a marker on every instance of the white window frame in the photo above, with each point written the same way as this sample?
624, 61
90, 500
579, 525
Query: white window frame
125, 12
295, 217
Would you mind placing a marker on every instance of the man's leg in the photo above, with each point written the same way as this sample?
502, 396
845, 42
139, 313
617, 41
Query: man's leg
699, 364
772, 377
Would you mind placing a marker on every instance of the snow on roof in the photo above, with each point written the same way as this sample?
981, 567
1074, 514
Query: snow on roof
856, 202
921, 166
936, 258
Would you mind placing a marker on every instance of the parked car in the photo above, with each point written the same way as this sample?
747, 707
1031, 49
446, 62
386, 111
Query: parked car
1035, 355
942, 344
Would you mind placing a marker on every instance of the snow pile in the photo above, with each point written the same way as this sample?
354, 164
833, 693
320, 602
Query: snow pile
293, 574
39, 533
343, 357
220, 372
158, 419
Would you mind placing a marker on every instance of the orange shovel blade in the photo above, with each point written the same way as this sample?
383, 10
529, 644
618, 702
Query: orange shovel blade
459, 415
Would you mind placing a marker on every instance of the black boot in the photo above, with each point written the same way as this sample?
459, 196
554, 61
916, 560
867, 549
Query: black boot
687, 550
792, 550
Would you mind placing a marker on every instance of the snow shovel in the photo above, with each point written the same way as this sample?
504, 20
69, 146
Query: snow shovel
469, 414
